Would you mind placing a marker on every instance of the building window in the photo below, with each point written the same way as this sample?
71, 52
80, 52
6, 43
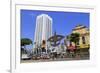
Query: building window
83, 40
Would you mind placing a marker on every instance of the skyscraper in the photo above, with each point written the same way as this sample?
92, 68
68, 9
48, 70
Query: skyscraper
43, 29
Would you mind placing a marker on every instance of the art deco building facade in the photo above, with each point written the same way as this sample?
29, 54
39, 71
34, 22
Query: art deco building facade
84, 39
43, 29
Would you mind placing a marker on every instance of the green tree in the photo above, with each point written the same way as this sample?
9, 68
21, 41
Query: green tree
24, 42
74, 37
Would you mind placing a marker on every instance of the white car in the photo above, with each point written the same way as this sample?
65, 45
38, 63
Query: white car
25, 57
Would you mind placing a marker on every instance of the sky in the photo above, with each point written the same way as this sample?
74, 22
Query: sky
63, 22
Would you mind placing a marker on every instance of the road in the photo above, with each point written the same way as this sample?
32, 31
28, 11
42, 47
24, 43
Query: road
58, 59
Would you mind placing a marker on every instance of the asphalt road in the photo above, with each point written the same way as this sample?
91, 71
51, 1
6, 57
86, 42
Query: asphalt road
58, 59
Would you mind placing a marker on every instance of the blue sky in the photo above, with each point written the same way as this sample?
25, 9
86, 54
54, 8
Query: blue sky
63, 22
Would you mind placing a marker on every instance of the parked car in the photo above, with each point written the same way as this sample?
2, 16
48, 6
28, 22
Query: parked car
45, 55
25, 57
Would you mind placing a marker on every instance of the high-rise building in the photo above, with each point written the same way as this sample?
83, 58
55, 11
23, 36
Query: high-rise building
43, 30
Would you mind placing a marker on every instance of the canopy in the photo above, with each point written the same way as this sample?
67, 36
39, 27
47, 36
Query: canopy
54, 39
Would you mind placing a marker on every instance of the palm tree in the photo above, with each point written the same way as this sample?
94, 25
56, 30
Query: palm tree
24, 42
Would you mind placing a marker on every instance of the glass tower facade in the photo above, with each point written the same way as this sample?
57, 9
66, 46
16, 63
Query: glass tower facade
43, 30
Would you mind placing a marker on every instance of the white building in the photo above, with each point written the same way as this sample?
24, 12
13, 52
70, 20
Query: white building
43, 29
